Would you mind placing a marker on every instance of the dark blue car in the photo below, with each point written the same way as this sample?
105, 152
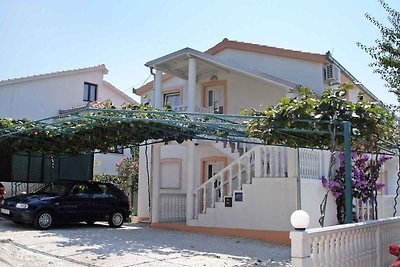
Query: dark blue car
68, 202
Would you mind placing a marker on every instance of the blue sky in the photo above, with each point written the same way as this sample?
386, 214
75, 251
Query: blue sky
43, 36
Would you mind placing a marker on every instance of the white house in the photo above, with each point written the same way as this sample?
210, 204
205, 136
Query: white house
189, 182
46, 95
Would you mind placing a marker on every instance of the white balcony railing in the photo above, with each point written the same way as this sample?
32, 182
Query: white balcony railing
357, 244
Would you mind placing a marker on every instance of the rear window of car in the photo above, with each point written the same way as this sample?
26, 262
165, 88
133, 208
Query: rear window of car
56, 189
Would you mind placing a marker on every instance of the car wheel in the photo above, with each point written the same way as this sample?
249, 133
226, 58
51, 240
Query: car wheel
43, 220
116, 219
90, 222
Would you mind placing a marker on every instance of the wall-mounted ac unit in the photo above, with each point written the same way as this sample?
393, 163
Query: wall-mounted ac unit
332, 74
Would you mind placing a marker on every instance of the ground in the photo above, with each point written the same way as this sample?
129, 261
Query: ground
131, 245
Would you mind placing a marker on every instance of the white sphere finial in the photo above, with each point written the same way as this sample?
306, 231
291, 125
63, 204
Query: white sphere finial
300, 220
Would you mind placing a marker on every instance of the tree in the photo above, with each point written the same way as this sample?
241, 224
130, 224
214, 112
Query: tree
386, 52
126, 178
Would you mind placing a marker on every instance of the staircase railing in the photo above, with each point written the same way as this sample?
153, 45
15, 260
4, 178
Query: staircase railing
260, 161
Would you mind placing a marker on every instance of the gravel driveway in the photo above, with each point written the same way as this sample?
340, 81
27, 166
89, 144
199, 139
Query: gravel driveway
131, 245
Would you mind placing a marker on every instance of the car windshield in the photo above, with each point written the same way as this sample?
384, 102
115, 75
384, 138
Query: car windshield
57, 189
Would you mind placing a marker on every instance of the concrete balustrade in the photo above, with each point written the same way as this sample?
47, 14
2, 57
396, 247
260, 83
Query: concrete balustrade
358, 244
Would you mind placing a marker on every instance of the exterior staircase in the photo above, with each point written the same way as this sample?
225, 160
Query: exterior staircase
233, 149
260, 161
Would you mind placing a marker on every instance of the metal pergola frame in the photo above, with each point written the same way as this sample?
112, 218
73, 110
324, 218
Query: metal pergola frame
203, 126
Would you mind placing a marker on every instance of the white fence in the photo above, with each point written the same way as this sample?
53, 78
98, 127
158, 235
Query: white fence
173, 207
358, 244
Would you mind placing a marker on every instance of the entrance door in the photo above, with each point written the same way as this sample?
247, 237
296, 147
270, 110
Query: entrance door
212, 167
215, 98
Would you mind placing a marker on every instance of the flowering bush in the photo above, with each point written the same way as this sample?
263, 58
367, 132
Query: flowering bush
365, 174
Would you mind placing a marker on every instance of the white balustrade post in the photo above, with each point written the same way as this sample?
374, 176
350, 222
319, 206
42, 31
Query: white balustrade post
300, 249
190, 181
378, 243
191, 95
292, 163
155, 205
257, 162
158, 101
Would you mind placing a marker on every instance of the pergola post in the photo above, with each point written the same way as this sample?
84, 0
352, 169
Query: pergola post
191, 95
158, 103
347, 166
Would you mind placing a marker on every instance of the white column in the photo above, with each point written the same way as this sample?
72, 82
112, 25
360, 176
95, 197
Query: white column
143, 193
190, 181
155, 199
158, 103
191, 95
300, 249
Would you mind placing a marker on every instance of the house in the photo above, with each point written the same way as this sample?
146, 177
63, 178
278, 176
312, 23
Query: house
46, 95
191, 182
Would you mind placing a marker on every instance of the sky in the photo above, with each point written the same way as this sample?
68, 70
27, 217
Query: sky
44, 36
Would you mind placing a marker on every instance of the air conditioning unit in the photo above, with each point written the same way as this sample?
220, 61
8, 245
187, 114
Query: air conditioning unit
332, 74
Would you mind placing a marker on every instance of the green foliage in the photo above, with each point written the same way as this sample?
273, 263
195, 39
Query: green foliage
372, 124
386, 52
127, 175
85, 134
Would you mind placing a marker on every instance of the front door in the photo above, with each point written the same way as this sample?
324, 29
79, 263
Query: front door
211, 168
215, 98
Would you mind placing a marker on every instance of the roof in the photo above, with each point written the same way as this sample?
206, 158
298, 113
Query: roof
270, 50
54, 74
176, 64
264, 49
119, 92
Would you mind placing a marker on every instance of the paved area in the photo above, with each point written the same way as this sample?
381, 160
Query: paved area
131, 245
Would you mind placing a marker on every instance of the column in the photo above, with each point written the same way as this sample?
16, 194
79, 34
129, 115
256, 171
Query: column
143, 210
158, 101
190, 181
155, 198
191, 95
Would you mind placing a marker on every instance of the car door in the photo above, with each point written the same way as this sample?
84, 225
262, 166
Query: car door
103, 202
75, 205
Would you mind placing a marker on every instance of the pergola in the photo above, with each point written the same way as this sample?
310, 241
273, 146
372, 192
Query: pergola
115, 127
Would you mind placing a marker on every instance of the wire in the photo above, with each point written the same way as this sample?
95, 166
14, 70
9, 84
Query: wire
136, 85
397, 189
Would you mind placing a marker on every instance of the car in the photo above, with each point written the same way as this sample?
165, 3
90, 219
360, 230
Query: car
68, 202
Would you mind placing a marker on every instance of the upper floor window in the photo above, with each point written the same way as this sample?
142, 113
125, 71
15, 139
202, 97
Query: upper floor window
173, 98
89, 92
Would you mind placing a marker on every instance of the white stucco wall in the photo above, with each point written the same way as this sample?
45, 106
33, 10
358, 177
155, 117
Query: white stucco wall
267, 205
302, 72
44, 97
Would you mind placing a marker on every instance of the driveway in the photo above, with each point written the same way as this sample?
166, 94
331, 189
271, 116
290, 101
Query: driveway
131, 245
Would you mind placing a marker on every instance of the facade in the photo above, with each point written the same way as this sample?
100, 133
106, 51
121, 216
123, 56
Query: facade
191, 182
46, 95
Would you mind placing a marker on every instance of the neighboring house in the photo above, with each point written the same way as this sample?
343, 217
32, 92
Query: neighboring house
190, 181
46, 95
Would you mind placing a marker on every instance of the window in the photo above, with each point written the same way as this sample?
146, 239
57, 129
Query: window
173, 98
89, 92
117, 150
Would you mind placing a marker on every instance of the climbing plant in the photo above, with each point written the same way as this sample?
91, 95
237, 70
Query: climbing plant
365, 183
372, 124
88, 133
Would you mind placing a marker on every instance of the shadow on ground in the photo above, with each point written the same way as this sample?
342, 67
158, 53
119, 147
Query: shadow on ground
105, 242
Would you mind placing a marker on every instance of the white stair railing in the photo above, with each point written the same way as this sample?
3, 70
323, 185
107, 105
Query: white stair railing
260, 161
